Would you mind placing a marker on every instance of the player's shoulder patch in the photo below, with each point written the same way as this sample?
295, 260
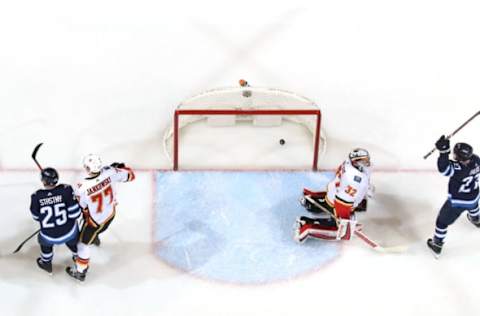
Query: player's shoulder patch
357, 179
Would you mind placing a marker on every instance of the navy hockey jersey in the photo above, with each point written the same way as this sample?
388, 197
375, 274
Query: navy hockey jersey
463, 191
56, 210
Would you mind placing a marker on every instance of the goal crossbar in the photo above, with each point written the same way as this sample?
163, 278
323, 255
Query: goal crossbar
179, 112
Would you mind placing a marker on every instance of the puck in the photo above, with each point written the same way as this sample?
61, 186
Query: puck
282, 141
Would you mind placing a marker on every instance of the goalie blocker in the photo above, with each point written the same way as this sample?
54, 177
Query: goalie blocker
334, 209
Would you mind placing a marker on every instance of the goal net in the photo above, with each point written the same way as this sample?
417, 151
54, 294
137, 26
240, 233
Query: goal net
245, 128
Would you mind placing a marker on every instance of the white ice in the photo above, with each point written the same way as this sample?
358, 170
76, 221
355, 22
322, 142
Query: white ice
105, 77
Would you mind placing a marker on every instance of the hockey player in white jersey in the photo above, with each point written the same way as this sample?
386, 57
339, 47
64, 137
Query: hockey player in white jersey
335, 208
97, 197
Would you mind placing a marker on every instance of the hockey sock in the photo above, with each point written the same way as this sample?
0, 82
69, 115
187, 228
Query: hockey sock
474, 214
83, 257
440, 234
46, 253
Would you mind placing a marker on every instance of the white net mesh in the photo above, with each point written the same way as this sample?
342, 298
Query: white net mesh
245, 98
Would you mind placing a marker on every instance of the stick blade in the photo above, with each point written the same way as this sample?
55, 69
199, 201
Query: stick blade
35, 150
394, 249
375, 246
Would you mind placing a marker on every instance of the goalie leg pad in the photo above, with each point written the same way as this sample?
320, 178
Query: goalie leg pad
326, 229
346, 228
322, 228
315, 194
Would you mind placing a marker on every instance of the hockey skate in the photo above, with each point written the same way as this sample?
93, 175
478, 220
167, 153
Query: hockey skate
74, 273
474, 222
436, 247
46, 266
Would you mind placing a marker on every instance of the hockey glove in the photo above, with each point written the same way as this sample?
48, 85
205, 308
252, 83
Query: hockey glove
117, 165
443, 145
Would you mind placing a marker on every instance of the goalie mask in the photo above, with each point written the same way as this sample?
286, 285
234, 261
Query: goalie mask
92, 163
359, 158
462, 152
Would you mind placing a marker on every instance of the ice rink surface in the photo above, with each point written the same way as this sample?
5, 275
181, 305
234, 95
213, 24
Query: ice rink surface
105, 77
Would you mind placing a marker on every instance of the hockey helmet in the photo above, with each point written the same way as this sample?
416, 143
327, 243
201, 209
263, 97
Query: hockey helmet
462, 151
49, 176
92, 163
359, 158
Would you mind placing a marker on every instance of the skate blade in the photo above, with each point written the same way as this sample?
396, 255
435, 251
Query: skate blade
435, 255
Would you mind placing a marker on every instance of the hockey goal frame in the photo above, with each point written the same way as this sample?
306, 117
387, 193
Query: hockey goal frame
282, 112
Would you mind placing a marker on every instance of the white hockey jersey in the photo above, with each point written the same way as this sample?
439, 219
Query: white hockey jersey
97, 195
350, 185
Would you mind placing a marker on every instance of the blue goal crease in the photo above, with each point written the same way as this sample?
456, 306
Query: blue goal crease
236, 226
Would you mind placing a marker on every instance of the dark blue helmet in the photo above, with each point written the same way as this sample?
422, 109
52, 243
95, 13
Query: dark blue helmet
462, 151
49, 176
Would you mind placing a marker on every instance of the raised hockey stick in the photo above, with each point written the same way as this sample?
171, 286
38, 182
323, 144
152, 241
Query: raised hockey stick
34, 157
454, 132
359, 233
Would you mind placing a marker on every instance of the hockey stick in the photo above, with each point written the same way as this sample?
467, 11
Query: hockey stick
359, 233
34, 157
376, 246
25, 241
454, 132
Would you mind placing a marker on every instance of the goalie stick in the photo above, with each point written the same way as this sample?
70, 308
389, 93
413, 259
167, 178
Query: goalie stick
359, 233
454, 132
34, 157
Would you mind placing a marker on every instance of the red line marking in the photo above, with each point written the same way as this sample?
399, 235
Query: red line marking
374, 170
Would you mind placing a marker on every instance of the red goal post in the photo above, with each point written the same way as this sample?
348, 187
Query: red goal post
258, 105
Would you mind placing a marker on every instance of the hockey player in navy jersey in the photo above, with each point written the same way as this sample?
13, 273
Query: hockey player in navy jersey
56, 209
463, 189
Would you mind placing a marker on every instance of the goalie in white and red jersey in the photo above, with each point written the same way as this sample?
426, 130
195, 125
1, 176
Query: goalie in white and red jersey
96, 195
335, 208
